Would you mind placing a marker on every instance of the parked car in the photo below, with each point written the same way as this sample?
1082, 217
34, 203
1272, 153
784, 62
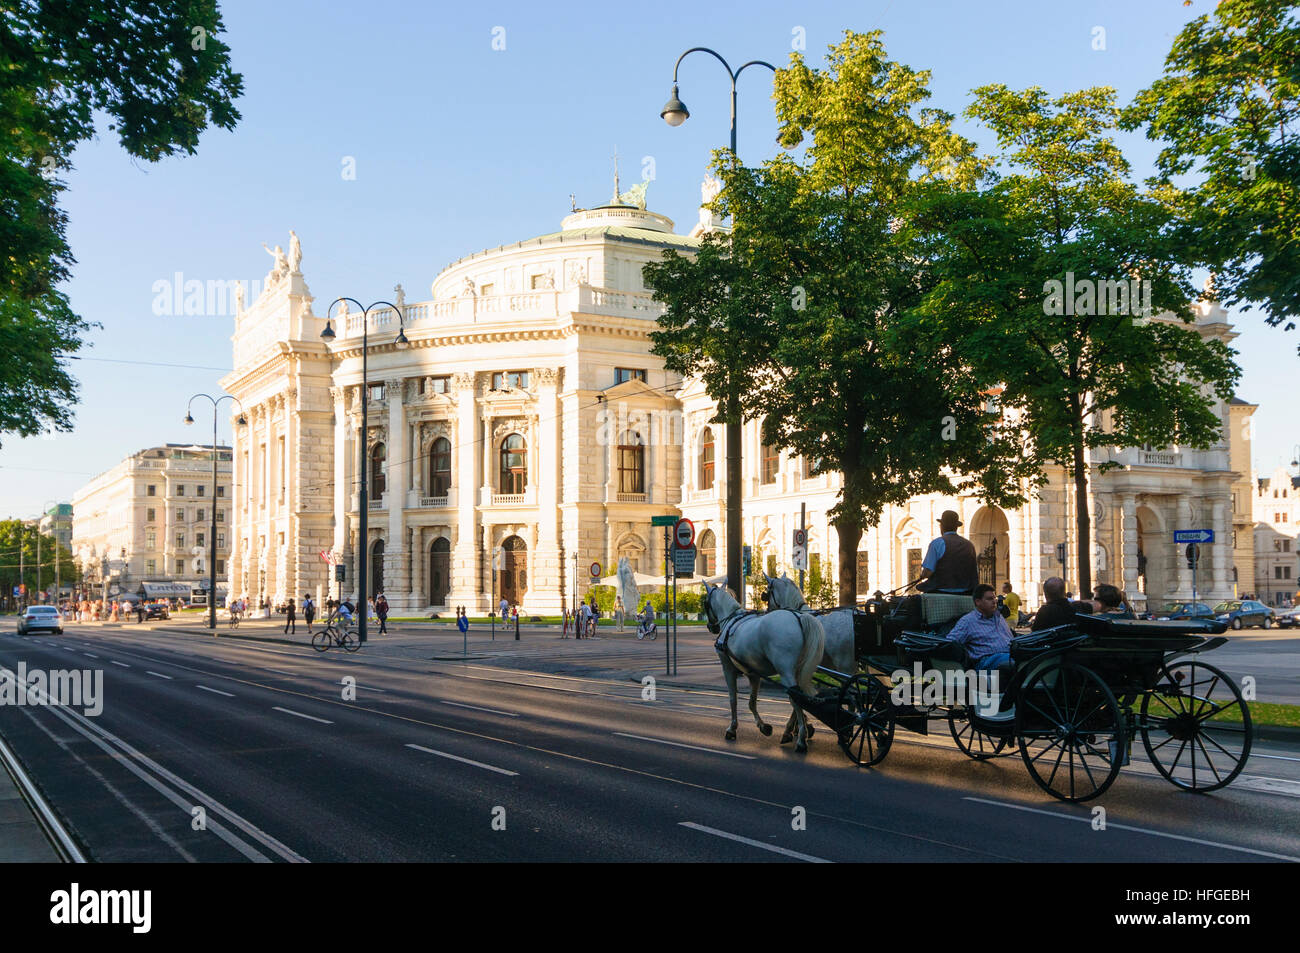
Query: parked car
1242, 613
1288, 618
40, 619
157, 610
1182, 611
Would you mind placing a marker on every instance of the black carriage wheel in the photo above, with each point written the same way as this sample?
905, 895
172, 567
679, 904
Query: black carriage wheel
1189, 749
1071, 732
866, 704
973, 742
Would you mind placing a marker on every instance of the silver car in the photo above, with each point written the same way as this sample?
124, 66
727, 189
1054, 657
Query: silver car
40, 618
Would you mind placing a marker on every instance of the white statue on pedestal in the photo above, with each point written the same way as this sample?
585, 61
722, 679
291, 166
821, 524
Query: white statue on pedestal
295, 253
281, 267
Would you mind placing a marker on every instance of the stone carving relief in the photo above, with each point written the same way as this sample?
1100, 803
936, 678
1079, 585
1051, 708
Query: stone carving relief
463, 381
575, 274
547, 376
509, 425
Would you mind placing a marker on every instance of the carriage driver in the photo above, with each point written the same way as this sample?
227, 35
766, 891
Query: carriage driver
949, 564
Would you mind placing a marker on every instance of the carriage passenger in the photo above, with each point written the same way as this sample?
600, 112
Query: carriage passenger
983, 632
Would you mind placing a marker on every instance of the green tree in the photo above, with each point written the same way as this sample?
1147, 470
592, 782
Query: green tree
18, 560
159, 71
806, 309
1022, 264
1226, 111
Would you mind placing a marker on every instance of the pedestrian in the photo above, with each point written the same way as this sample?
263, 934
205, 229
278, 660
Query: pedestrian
139, 613
381, 610
618, 612
581, 620
504, 607
290, 620
308, 610
564, 631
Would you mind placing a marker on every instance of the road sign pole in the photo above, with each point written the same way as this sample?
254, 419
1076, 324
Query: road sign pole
668, 565
803, 528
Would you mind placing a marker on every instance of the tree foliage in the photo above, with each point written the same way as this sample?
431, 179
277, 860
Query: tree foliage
1227, 111
1091, 371
807, 309
160, 72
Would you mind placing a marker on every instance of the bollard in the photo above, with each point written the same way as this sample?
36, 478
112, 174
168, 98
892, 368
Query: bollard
516, 627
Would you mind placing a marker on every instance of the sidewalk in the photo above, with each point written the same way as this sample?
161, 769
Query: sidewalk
22, 839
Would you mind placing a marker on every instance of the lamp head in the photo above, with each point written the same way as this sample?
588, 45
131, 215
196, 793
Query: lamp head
401, 338
242, 421
188, 418
328, 333
674, 112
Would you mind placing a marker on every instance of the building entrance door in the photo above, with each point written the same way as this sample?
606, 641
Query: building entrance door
439, 571
513, 578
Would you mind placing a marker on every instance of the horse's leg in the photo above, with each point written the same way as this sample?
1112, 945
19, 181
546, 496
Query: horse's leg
754, 683
729, 672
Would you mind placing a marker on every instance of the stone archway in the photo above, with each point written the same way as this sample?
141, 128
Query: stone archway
376, 568
512, 580
909, 550
439, 571
1154, 576
990, 533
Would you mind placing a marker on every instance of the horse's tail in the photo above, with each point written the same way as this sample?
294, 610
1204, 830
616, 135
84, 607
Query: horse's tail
810, 655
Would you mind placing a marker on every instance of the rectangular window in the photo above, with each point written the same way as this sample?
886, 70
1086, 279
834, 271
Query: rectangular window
376, 391
440, 385
488, 289
1277, 572
221, 541
151, 490
150, 539
180, 567
537, 282
221, 516
1286, 572
221, 491
221, 566
180, 540
202, 490
180, 489
150, 567
622, 374
771, 463
515, 379
862, 573
149, 515
180, 515
200, 515
200, 540
771, 565
282, 539
283, 468
1286, 545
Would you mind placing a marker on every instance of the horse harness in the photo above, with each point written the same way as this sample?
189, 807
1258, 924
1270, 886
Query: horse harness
726, 627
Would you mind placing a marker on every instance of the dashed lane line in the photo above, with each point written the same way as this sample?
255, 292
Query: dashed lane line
116, 662
158, 674
491, 711
215, 691
754, 843
290, 711
679, 744
456, 757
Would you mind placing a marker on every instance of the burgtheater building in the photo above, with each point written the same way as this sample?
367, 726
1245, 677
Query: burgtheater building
524, 431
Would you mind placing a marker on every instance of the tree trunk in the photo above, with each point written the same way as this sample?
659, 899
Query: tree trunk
1082, 521
849, 536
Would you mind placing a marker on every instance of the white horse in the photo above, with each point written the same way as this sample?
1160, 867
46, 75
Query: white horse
840, 653
786, 644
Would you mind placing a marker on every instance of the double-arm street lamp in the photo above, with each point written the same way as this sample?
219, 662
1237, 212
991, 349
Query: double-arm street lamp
363, 501
675, 113
212, 540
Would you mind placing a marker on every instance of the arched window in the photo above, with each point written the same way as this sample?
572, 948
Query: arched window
708, 547
631, 463
706, 459
514, 465
378, 454
376, 569
440, 467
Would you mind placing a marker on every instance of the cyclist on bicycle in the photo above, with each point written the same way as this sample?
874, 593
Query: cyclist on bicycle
646, 622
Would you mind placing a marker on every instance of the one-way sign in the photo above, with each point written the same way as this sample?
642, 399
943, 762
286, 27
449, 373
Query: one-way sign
1193, 536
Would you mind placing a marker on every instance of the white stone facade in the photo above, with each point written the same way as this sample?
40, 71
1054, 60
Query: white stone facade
1277, 538
143, 520
545, 343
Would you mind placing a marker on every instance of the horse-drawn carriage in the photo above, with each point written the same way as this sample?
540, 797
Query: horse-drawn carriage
1072, 701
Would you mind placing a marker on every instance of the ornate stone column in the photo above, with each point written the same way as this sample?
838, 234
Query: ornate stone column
464, 583
544, 579
341, 449
1128, 545
1220, 585
397, 557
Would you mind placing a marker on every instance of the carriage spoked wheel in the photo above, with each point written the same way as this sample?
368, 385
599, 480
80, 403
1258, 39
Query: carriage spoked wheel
973, 742
1071, 732
868, 712
1181, 731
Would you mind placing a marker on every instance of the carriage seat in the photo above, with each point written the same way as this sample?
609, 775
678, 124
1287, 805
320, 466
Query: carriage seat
939, 608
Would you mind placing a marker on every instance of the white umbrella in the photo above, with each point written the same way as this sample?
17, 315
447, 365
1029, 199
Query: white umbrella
640, 578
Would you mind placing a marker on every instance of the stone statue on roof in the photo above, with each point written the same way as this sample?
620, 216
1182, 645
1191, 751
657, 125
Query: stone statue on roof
635, 196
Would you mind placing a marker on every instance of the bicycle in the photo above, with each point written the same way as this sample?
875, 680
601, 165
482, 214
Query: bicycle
334, 632
234, 619
646, 630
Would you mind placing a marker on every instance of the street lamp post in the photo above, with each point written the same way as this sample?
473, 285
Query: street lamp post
363, 501
675, 113
212, 541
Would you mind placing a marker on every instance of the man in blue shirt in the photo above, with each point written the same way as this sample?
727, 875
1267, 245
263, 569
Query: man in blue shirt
949, 564
983, 632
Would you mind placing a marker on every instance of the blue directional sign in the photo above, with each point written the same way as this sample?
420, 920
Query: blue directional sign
1193, 536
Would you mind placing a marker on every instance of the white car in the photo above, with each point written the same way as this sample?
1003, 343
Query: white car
38, 618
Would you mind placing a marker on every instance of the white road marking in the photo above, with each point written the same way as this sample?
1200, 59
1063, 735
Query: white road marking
288, 711
1275, 757
493, 711
159, 674
678, 744
90, 654
116, 662
1139, 830
454, 757
1281, 786
754, 843
214, 691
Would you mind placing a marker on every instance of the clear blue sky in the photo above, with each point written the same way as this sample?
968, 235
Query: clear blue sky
459, 147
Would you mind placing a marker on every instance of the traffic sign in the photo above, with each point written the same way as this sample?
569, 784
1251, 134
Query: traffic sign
799, 552
1193, 553
1193, 536
594, 570
745, 558
668, 520
684, 560
326, 555
16, 592
684, 534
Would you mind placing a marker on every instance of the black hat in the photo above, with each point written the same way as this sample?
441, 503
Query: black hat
950, 518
